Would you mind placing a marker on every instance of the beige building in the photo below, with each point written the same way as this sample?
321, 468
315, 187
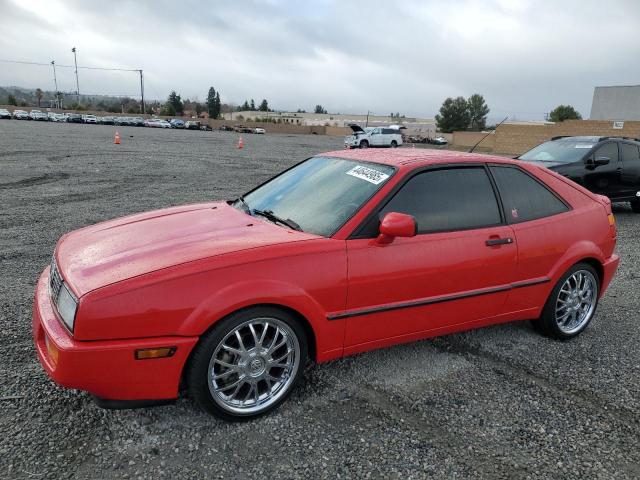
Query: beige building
415, 126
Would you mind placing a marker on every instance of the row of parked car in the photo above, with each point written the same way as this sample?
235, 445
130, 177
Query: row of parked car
38, 115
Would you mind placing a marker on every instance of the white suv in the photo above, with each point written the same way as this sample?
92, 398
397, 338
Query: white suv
373, 137
89, 119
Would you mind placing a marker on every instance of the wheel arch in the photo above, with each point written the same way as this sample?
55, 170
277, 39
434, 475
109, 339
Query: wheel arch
306, 324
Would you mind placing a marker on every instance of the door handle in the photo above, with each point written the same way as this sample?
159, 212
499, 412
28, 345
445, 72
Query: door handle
492, 242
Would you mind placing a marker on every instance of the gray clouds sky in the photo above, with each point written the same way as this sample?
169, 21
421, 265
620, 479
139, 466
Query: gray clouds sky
526, 57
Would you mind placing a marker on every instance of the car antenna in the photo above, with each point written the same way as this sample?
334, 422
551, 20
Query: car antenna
474, 147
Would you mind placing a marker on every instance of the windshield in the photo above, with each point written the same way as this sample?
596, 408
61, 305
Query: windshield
558, 151
320, 194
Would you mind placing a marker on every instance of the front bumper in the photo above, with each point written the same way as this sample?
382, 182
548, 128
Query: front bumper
105, 368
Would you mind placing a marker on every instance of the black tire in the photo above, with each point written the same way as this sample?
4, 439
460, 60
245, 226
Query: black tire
394, 144
635, 205
198, 368
548, 325
364, 144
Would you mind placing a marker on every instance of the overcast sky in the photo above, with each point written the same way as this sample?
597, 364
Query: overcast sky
525, 57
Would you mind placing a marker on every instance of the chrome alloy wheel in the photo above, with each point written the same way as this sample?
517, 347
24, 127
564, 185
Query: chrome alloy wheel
576, 301
254, 365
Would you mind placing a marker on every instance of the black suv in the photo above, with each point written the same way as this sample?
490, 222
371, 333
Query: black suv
606, 165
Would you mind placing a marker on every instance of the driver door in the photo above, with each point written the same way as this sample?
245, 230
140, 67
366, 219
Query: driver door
456, 270
605, 179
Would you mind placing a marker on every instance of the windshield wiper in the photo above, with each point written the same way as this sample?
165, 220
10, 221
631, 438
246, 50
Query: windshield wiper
269, 215
244, 204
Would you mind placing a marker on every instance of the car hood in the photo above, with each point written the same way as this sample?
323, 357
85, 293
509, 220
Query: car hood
356, 128
116, 250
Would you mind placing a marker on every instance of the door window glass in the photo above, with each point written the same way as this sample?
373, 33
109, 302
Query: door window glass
448, 199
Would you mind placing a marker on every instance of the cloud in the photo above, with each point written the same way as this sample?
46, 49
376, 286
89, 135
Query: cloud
525, 57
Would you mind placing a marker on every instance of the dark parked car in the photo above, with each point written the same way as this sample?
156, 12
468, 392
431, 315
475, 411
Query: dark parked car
74, 118
608, 166
226, 128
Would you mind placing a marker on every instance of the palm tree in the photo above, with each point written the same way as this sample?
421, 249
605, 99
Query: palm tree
39, 95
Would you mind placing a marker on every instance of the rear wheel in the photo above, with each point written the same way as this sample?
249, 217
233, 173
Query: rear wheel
394, 144
364, 144
248, 364
572, 303
635, 205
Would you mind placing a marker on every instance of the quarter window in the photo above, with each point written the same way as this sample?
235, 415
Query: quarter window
523, 197
448, 199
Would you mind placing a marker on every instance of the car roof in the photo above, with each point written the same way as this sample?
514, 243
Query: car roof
591, 138
414, 157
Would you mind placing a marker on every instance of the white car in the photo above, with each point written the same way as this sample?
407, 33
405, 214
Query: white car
4, 113
373, 137
89, 119
20, 115
156, 123
259, 130
38, 115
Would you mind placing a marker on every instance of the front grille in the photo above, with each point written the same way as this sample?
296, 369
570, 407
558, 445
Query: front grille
55, 281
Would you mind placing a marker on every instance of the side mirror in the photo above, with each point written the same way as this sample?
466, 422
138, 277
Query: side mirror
598, 160
394, 225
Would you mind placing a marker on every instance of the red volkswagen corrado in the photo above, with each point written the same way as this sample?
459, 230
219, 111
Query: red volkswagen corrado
345, 252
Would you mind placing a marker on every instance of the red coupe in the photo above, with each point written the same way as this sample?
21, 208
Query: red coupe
343, 253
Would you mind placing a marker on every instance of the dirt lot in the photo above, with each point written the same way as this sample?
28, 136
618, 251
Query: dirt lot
499, 402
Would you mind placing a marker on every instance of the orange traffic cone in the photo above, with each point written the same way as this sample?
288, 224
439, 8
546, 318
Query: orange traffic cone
116, 139
240, 143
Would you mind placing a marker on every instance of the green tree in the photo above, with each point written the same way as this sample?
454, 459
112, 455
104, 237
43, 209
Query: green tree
454, 115
168, 110
564, 112
218, 106
211, 103
39, 95
478, 111
319, 109
244, 107
252, 107
175, 102
264, 106
11, 100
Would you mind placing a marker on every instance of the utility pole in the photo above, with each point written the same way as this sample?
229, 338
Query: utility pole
75, 61
142, 91
367, 124
55, 81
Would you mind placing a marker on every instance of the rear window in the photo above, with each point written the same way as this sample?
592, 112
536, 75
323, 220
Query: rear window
523, 197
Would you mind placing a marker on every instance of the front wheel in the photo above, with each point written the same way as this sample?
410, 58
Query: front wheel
572, 303
394, 144
364, 144
248, 363
635, 205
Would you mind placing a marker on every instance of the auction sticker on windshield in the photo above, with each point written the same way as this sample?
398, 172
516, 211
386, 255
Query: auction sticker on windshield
369, 174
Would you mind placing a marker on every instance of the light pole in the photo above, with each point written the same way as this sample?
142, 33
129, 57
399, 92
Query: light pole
55, 81
142, 91
75, 61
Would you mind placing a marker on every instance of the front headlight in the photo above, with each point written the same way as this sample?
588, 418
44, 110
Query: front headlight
67, 305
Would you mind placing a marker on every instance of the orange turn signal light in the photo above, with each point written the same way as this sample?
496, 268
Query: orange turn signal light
149, 353
612, 219
52, 350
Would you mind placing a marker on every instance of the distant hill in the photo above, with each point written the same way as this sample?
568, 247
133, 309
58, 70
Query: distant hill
26, 97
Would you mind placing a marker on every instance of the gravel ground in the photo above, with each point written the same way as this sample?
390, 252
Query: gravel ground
500, 402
